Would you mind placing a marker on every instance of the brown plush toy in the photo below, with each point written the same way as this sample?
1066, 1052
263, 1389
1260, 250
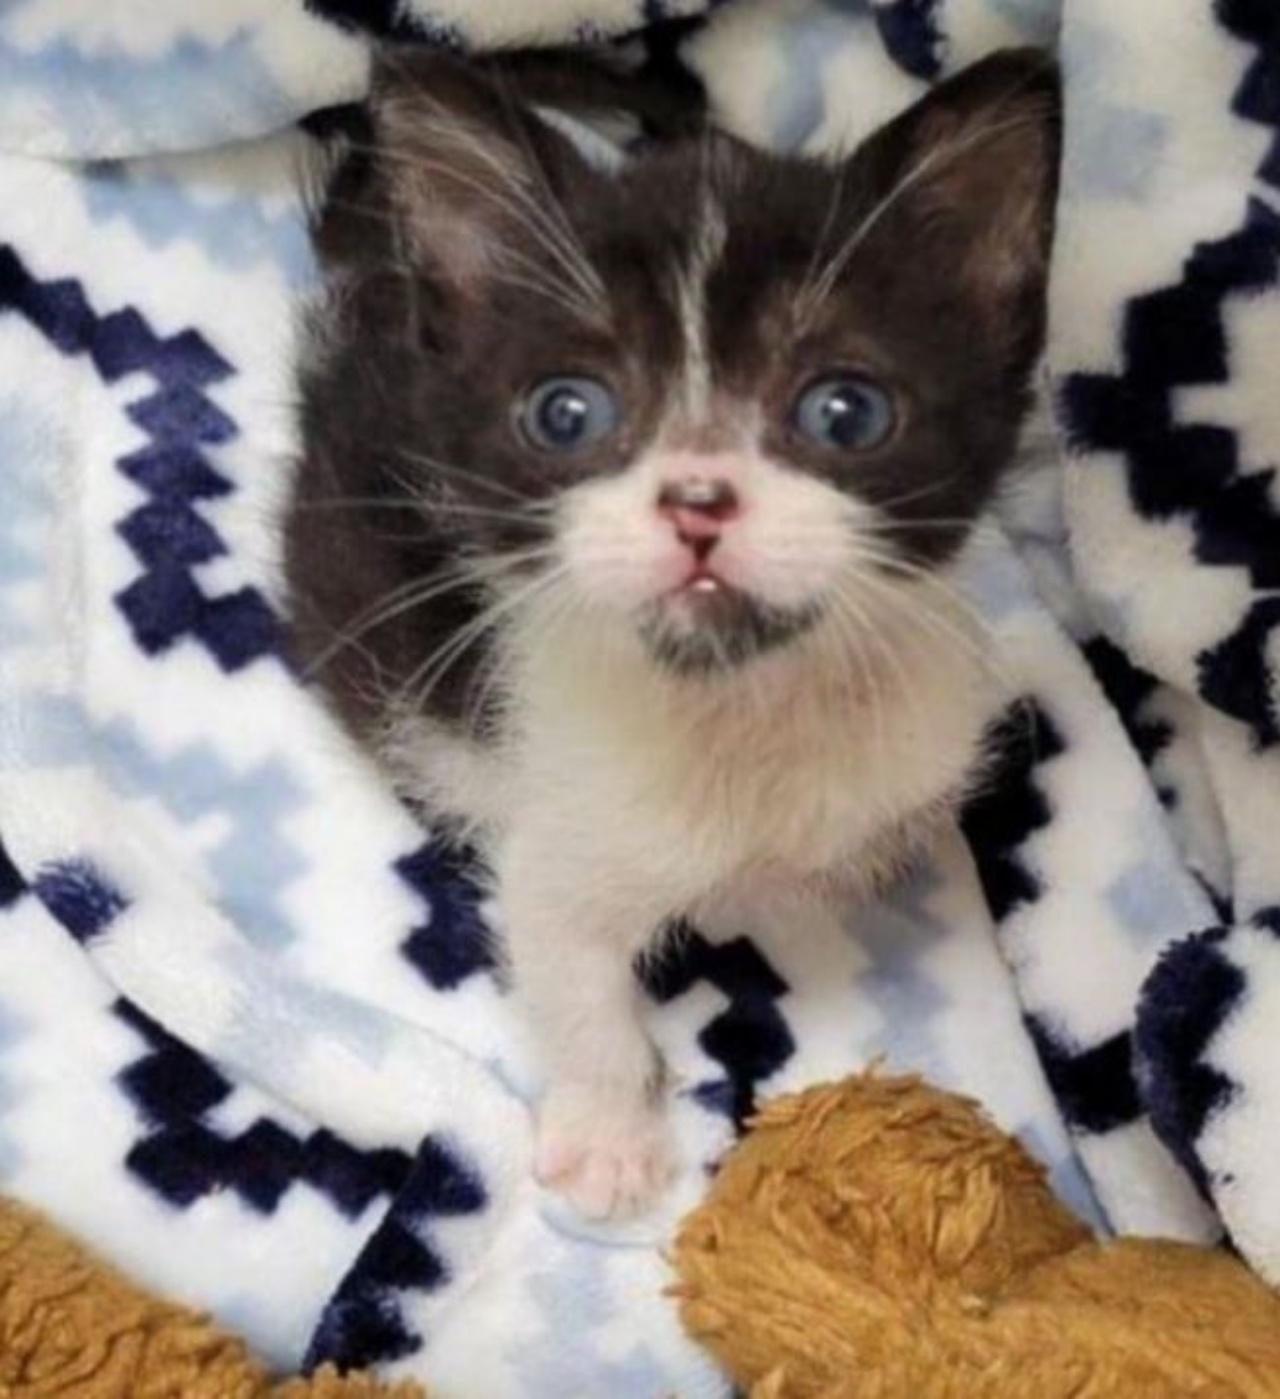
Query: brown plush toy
73, 1328
883, 1240
874, 1240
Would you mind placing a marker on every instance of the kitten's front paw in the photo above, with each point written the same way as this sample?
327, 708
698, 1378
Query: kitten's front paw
610, 1159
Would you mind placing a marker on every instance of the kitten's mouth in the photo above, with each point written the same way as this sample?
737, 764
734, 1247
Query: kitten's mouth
707, 625
699, 590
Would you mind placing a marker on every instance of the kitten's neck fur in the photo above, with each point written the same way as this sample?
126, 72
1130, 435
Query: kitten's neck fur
810, 760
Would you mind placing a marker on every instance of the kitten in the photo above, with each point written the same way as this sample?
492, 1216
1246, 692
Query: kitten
627, 501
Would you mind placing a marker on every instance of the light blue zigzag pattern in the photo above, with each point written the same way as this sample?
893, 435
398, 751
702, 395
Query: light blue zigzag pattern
1113, 150
269, 1045
12, 1029
23, 504
572, 1293
1150, 899
236, 233
194, 93
255, 861
1069, 1179
52, 731
806, 45
1037, 20
897, 933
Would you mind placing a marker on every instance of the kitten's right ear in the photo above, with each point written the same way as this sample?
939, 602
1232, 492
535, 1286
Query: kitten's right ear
470, 173
971, 171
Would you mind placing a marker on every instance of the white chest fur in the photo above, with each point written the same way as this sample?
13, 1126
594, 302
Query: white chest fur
799, 763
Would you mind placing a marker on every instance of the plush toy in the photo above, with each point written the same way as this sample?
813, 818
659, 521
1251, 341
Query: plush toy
877, 1239
883, 1240
73, 1328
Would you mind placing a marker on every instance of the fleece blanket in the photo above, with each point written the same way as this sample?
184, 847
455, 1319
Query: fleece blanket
254, 1041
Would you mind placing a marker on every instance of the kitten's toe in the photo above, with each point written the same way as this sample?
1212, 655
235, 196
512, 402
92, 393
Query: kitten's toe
607, 1161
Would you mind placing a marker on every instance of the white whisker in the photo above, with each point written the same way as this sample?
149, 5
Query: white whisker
423, 680
472, 478
408, 597
928, 164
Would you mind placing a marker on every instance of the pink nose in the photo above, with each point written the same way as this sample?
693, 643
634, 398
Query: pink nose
699, 508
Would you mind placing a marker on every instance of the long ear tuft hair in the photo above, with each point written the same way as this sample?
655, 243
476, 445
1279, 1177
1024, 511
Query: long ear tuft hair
973, 166
476, 182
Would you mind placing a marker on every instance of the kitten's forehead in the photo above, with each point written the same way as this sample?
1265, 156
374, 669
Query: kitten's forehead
694, 233
709, 201
738, 245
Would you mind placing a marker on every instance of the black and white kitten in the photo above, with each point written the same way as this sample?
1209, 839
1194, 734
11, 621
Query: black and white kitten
626, 506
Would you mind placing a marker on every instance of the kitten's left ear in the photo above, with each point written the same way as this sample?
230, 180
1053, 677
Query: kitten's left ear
472, 175
974, 166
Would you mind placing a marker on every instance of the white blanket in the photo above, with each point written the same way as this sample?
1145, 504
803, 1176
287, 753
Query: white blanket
251, 1044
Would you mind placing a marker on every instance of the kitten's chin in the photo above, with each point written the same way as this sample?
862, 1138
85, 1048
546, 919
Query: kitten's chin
697, 633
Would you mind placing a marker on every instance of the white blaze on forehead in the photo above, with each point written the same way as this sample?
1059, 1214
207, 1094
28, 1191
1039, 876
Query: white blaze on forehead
705, 248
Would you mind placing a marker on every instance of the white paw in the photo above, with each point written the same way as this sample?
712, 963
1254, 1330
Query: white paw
608, 1157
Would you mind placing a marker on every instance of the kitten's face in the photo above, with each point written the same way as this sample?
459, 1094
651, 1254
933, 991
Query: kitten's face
715, 398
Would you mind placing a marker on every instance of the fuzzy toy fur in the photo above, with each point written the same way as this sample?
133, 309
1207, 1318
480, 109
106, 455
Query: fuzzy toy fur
879, 1239
73, 1327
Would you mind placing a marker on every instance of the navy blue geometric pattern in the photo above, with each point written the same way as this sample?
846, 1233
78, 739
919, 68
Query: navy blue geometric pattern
750, 1038
1095, 1087
1010, 807
454, 943
909, 29
167, 534
1094, 1084
12, 884
1128, 688
183, 1158
1173, 338
364, 1323
82, 899
1185, 1002
1257, 22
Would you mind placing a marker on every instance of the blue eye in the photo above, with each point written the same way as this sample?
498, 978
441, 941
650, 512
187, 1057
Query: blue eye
569, 413
848, 413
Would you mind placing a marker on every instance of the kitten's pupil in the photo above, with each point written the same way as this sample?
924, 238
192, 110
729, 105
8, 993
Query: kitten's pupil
851, 414
566, 413
564, 416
